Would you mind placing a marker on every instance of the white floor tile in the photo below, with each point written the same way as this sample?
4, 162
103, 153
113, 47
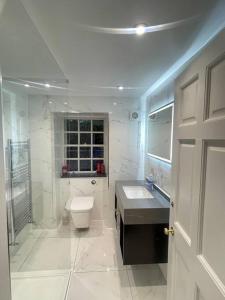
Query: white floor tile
96, 229
67, 231
51, 254
99, 253
42, 264
20, 252
43, 288
43, 273
148, 283
111, 285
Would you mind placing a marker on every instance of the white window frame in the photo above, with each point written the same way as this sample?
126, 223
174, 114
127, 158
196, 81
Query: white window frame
90, 117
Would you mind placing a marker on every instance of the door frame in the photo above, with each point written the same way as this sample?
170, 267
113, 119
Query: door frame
5, 281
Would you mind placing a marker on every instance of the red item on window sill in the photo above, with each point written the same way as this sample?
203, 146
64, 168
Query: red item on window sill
64, 170
102, 168
98, 168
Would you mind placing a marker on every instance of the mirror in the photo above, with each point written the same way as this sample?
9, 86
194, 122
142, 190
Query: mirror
160, 127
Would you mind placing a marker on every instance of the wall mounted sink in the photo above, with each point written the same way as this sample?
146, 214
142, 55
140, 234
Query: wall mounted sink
137, 192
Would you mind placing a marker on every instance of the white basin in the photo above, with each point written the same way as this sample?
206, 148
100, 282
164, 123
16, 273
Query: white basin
137, 192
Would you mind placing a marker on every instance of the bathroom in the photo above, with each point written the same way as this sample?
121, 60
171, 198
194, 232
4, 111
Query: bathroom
110, 157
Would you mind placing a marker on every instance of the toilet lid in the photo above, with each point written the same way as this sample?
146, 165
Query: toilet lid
81, 203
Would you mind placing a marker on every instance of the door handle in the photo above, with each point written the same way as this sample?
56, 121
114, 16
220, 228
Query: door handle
169, 231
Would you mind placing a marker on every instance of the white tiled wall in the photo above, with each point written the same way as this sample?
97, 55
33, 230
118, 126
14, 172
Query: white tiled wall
15, 122
125, 146
15, 112
70, 187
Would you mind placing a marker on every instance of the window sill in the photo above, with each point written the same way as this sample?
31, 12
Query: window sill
83, 175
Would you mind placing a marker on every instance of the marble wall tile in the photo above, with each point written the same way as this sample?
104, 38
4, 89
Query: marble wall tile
124, 149
73, 187
42, 168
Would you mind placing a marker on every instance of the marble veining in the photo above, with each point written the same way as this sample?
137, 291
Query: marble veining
124, 156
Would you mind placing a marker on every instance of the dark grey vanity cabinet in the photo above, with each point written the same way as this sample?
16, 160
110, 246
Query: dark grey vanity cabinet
141, 243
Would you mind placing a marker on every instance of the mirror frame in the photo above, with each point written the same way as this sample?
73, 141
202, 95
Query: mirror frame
170, 104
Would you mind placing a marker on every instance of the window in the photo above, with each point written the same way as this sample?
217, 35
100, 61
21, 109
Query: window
84, 143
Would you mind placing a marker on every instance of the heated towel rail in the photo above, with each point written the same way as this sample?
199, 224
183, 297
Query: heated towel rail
19, 202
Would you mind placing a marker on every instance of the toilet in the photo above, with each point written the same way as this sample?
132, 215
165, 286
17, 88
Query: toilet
80, 209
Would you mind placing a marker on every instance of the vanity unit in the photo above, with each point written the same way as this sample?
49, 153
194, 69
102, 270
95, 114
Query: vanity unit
141, 217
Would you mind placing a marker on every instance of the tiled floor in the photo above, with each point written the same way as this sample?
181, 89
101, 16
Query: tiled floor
65, 264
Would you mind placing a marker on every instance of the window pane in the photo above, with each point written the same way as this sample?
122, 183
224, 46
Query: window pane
98, 138
71, 152
85, 138
85, 125
71, 138
72, 165
85, 152
85, 165
98, 125
95, 162
98, 152
71, 125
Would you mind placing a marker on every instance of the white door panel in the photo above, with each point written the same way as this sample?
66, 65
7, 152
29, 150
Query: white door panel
188, 101
183, 284
184, 193
216, 88
213, 215
197, 250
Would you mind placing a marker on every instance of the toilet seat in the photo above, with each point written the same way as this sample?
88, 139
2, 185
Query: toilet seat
80, 204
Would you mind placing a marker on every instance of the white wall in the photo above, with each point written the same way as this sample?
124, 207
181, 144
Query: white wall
15, 122
15, 113
125, 146
42, 168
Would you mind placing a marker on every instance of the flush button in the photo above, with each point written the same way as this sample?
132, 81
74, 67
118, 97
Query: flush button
93, 181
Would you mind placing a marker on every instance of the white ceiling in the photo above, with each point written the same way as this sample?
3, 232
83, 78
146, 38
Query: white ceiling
47, 41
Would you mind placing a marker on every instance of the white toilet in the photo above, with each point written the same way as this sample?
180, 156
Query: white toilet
80, 209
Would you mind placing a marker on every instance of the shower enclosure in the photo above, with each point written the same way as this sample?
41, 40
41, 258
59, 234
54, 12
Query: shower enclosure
35, 230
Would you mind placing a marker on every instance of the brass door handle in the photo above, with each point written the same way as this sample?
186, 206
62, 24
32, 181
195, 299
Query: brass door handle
169, 231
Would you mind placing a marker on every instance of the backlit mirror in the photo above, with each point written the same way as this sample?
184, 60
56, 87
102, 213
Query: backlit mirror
160, 127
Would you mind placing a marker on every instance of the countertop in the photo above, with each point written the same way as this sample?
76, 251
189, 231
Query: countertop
142, 211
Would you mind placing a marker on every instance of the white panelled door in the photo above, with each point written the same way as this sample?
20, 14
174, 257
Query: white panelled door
197, 249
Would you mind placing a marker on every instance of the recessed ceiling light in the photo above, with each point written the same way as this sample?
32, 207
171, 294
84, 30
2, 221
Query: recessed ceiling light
50, 102
140, 29
65, 103
120, 88
26, 85
114, 103
47, 85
